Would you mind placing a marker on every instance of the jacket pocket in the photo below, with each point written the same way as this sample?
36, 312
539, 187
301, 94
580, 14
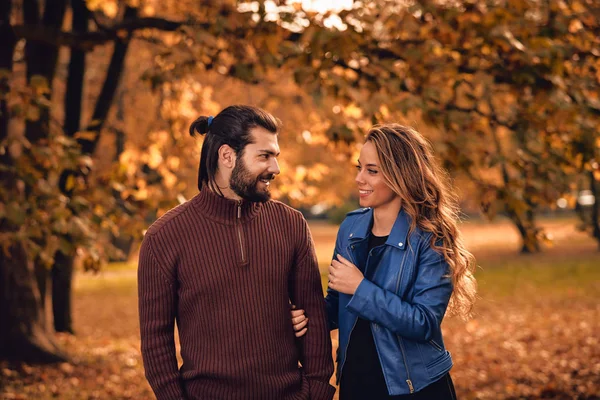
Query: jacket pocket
439, 366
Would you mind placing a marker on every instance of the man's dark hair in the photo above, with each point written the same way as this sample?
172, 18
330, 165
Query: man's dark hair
231, 127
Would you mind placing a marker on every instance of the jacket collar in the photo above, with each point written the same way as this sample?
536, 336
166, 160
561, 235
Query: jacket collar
398, 236
224, 210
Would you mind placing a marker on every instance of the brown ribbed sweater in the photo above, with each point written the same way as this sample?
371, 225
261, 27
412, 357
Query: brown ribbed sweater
226, 272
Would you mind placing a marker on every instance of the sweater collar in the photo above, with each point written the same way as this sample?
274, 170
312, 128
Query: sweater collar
224, 210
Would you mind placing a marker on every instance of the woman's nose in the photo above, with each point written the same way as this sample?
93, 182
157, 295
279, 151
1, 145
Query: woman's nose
359, 179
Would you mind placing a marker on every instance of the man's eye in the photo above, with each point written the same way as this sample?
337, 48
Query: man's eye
265, 156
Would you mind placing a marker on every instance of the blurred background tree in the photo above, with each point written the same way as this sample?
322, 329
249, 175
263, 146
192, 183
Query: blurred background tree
96, 98
512, 87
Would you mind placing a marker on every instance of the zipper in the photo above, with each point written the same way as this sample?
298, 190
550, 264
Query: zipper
408, 381
400, 273
239, 229
435, 345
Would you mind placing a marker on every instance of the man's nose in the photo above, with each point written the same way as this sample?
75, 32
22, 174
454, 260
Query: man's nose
274, 167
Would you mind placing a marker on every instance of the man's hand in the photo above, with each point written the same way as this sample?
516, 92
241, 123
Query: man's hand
299, 320
344, 277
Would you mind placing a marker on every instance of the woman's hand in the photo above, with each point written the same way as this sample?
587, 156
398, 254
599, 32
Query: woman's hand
299, 320
344, 277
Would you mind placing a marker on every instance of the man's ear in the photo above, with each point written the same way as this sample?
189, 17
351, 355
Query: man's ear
227, 156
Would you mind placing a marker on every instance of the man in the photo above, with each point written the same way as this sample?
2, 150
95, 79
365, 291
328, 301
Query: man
226, 265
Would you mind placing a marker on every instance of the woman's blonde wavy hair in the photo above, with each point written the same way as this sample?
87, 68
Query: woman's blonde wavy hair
411, 171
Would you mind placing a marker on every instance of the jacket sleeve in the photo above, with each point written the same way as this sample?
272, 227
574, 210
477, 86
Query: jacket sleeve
422, 316
307, 294
333, 297
157, 294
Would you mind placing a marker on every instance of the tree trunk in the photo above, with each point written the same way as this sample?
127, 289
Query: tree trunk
526, 226
41, 61
7, 47
595, 209
62, 279
531, 242
119, 133
62, 270
109, 89
75, 80
122, 241
103, 104
24, 336
527, 229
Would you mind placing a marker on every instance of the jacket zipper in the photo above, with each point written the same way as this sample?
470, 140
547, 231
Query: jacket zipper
400, 273
408, 381
435, 345
239, 229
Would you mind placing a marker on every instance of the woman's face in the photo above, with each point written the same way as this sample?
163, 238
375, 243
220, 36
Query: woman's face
372, 189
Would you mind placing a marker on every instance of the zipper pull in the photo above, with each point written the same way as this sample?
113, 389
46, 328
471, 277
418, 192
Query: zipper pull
410, 386
239, 209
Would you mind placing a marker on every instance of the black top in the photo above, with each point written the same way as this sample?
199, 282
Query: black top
362, 377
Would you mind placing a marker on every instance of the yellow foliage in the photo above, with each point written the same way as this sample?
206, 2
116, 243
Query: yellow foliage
87, 135
70, 184
39, 84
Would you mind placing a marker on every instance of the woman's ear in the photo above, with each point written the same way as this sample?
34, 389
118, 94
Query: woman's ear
227, 156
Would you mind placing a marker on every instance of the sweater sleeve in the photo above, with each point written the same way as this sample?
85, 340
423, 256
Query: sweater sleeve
307, 294
157, 295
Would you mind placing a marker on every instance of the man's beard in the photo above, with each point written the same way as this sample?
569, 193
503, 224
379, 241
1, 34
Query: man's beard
245, 185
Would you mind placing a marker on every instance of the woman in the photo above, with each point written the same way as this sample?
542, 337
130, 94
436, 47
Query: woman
399, 264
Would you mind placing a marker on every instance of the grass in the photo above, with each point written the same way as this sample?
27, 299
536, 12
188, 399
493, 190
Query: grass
533, 335
555, 279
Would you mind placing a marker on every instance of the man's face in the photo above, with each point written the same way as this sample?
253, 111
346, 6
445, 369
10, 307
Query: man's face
257, 166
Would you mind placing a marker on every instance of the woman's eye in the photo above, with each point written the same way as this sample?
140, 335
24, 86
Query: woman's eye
358, 167
372, 171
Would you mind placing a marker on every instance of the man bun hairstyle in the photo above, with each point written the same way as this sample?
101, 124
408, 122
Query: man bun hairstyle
199, 126
231, 127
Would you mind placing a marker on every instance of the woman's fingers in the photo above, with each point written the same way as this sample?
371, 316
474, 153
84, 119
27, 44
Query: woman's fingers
298, 326
301, 333
298, 319
342, 259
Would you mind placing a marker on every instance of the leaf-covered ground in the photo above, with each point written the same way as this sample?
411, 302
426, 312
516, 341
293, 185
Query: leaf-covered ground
534, 334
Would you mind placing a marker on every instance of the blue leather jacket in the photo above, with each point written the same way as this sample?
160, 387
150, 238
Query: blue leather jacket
405, 301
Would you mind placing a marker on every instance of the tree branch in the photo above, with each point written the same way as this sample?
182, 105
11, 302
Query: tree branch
88, 40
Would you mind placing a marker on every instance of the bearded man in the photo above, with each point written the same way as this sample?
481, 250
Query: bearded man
225, 266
